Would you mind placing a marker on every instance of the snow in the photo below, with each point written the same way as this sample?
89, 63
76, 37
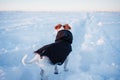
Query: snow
96, 44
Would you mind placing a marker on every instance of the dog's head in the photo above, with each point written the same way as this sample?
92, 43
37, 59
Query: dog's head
59, 26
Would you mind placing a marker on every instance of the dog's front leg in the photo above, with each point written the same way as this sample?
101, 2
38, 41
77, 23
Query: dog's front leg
65, 64
56, 69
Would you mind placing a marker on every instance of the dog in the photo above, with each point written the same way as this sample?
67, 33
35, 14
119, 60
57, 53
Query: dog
52, 55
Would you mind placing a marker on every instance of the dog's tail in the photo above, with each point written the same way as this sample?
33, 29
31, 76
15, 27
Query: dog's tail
24, 58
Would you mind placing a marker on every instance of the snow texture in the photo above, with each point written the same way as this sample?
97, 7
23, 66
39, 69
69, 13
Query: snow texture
96, 44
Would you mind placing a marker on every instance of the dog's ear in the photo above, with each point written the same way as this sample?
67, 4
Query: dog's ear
58, 26
66, 26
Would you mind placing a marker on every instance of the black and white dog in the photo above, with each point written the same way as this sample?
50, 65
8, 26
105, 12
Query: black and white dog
49, 56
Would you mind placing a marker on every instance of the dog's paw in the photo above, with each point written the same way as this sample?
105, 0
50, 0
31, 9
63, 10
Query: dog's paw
56, 73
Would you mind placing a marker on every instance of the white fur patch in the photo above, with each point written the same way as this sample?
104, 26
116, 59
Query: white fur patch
45, 64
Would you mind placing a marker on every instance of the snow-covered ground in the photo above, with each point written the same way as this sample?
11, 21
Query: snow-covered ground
96, 45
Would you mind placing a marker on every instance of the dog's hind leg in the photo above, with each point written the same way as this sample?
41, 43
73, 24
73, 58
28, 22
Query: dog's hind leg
56, 69
65, 64
43, 76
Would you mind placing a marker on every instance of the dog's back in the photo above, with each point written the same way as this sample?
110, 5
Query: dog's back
58, 52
